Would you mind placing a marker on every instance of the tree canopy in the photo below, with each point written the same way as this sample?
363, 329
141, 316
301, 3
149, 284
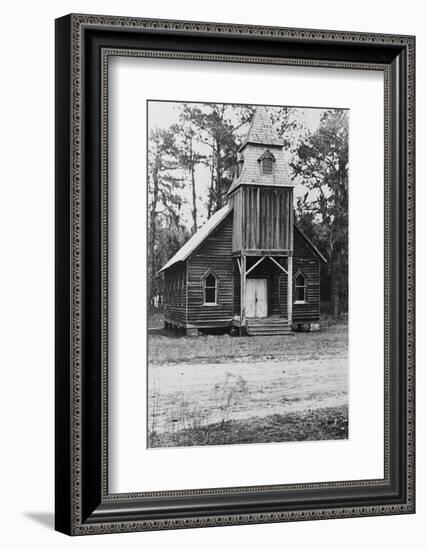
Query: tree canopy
322, 166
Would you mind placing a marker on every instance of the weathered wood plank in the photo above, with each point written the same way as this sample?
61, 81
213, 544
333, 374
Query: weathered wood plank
243, 290
307, 261
175, 293
290, 288
262, 218
214, 254
266, 252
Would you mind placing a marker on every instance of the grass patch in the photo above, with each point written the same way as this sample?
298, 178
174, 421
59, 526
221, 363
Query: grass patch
313, 425
165, 348
155, 320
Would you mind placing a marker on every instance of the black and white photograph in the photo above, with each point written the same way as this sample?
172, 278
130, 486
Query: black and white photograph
209, 275
247, 273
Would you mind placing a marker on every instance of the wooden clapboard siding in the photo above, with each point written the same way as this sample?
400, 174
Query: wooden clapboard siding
184, 302
274, 293
307, 261
283, 295
216, 255
263, 219
175, 288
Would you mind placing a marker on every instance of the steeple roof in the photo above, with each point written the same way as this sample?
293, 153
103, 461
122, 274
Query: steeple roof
262, 137
261, 131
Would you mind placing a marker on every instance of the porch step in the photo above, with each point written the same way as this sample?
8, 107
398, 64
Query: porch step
268, 327
256, 321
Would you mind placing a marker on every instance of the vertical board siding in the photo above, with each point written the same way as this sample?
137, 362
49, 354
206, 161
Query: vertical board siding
237, 290
307, 261
238, 221
263, 218
216, 255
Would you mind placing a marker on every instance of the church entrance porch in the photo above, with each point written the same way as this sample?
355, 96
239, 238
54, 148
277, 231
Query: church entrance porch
261, 295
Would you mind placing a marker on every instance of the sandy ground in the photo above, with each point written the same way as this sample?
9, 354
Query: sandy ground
271, 387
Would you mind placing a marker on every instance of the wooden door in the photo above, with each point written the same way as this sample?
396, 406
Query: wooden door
261, 298
251, 298
256, 298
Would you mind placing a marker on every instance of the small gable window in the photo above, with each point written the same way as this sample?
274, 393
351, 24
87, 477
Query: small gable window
267, 162
300, 288
210, 289
267, 165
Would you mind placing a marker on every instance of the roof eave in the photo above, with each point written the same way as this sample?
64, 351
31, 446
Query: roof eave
311, 244
191, 252
260, 144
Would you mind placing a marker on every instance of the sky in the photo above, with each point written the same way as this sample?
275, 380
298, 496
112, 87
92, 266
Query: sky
163, 114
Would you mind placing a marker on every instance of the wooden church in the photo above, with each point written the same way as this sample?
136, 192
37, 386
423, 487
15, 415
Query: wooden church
249, 268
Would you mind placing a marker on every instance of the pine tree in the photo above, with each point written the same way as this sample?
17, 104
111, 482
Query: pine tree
322, 166
164, 205
215, 127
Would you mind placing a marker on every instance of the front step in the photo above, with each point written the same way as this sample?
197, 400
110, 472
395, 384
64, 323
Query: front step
268, 327
278, 332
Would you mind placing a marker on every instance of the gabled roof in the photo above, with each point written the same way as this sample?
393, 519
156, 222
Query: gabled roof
266, 154
311, 244
197, 239
207, 229
261, 131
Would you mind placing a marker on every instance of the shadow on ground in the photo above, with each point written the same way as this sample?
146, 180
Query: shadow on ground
47, 519
155, 331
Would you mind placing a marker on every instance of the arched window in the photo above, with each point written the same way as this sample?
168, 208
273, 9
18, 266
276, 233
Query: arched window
210, 289
300, 294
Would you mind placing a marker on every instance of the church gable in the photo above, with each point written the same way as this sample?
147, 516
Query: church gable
219, 242
199, 237
212, 257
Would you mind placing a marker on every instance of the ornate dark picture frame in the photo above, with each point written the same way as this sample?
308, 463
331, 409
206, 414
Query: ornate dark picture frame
83, 45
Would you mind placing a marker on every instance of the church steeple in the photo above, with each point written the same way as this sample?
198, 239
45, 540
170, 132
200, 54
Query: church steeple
261, 131
261, 157
261, 197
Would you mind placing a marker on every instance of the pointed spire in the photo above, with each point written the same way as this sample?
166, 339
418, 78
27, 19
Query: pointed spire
261, 131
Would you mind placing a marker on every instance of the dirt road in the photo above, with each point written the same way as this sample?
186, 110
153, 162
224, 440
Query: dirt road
260, 387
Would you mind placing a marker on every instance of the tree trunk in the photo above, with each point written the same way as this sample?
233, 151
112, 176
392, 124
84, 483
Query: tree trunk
211, 190
194, 195
335, 300
335, 286
153, 236
218, 178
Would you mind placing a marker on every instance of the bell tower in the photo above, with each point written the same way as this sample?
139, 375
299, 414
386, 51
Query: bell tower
262, 199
